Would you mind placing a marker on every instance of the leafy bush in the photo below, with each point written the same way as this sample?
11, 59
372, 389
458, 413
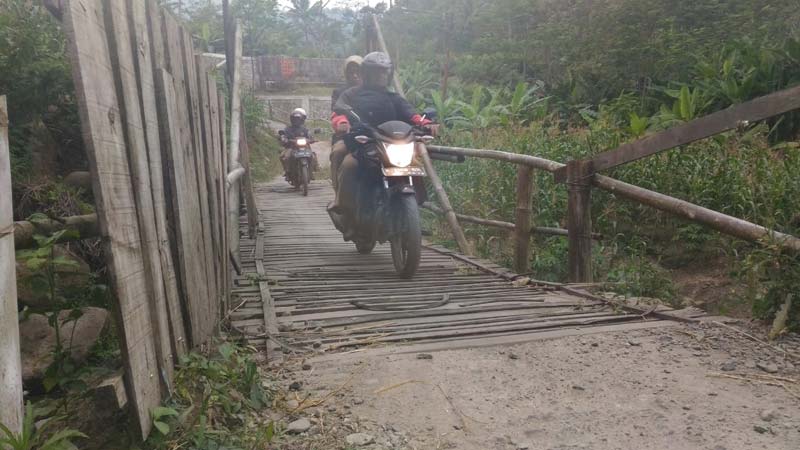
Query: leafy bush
37, 79
216, 398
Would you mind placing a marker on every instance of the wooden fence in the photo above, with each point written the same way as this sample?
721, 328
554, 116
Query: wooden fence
154, 126
581, 177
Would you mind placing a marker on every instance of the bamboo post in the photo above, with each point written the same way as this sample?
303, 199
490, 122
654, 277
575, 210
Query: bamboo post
247, 184
449, 214
10, 364
234, 44
398, 86
523, 218
579, 220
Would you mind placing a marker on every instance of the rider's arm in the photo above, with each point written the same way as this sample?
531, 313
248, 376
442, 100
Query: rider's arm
407, 112
338, 119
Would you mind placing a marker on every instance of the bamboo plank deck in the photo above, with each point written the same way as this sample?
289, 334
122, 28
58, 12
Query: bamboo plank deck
303, 289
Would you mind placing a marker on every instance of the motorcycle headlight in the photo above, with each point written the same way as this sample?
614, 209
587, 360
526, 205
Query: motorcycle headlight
400, 155
302, 142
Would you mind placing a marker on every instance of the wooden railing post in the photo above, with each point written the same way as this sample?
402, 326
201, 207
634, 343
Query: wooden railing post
579, 220
522, 220
10, 365
444, 200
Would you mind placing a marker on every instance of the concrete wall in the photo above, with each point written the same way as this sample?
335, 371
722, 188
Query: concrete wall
262, 72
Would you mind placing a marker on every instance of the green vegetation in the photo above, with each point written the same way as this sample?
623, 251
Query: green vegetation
36, 78
217, 403
36, 435
569, 88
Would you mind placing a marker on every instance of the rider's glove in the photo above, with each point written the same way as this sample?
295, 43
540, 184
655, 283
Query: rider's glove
420, 121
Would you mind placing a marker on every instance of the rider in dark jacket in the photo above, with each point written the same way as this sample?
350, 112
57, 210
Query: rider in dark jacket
295, 129
374, 104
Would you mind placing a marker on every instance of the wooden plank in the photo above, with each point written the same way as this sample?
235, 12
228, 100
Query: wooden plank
222, 170
110, 394
10, 365
205, 160
491, 341
186, 220
723, 223
212, 296
122, 60
103, 136
749, 112
579, 221
522, 222
516, 158
213, 173
143, 26
222, 160
185, 199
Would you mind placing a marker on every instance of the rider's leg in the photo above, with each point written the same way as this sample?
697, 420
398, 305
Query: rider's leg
338, 152
285, 160
347, 185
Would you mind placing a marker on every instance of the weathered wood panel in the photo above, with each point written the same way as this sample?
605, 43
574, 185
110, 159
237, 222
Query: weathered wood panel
144, 51
193, 97
208, 161
178, 147
122, 59
10, 366
113, 192
223, 160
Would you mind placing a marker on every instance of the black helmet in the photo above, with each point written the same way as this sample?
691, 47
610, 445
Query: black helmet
374, 66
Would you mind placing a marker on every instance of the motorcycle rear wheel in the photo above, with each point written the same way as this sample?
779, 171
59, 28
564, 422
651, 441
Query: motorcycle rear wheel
407, 243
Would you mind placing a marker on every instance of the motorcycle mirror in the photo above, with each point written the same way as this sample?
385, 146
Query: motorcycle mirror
361, 139
426, 139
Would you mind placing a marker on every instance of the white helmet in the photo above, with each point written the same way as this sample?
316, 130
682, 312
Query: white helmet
299, 112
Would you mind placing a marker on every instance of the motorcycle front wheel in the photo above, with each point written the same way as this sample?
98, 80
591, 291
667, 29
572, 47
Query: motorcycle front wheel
407, 241
304, 178
364, 246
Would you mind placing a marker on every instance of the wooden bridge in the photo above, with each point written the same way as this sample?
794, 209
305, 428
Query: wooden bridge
306, 291
185, 257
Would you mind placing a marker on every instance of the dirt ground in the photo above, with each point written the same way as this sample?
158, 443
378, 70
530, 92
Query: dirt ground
684, 387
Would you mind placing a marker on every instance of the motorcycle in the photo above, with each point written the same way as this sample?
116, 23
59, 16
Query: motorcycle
301, 161
390, 190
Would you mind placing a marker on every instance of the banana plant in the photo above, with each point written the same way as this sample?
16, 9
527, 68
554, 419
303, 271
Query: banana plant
448, 108
476, 114
523, 104
638, 125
